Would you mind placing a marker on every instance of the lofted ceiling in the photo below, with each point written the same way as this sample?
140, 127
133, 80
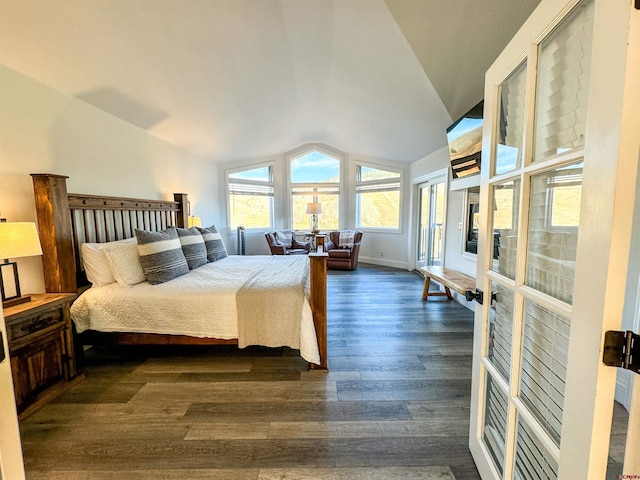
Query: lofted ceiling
234, 79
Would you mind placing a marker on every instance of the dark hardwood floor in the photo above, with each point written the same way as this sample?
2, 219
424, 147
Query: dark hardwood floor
395, 404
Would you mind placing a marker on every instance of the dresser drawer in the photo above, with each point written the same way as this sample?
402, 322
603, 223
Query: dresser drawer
31, 324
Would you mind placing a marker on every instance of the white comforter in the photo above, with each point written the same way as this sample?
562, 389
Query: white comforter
201, 303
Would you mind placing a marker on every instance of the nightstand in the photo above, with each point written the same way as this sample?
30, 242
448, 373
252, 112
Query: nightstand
40, 343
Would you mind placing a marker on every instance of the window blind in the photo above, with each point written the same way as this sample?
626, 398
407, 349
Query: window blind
563, 82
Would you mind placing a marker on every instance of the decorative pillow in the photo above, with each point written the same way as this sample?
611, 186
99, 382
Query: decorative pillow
193, 247
125, 261
161, 255
285, 238
213, 241
96, 264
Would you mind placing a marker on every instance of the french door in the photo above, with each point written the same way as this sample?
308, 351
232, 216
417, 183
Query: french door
431, 217
560, 160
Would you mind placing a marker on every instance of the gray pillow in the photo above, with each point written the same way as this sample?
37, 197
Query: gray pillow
193, 247
213, 241
161, 255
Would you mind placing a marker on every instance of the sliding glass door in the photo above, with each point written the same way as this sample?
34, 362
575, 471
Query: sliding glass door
431, 209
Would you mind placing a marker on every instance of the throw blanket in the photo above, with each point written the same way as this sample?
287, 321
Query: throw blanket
270, 303
346, 239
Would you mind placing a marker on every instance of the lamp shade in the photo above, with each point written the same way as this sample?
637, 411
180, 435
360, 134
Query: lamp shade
19, 239
314, 208
194, 221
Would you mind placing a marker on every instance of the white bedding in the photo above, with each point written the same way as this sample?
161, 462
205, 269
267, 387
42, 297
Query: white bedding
201, 303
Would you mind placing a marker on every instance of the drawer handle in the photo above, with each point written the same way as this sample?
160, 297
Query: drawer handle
35, 326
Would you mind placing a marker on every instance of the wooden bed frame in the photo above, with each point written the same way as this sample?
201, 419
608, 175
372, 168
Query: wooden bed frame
67, 220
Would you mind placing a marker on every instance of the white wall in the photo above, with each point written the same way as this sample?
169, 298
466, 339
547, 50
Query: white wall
44, 131
377, 247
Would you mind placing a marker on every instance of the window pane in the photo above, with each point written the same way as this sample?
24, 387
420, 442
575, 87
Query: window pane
379, 209
250, 211
532, 458
327, 220
500, 330
545, 345
553, 231
261, 174
315, 167
495, 423
511, 126
505, 227
563, 84
368, 173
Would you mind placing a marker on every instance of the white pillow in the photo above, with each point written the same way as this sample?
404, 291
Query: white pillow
125, 261
96, 264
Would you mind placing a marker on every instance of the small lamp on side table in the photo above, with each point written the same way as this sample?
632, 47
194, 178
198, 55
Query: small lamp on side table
17, 239
314, 209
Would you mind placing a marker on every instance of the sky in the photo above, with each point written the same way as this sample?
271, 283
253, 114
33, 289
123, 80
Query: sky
312, 167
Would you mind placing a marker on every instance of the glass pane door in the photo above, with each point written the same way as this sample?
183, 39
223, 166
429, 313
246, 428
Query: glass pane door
525, 393
431, 223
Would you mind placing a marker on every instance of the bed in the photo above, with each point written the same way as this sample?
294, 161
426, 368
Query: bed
237, 299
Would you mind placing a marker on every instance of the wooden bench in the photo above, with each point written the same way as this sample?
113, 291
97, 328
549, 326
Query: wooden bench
449, 279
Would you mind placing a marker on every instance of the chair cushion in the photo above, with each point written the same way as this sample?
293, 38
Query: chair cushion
339, 253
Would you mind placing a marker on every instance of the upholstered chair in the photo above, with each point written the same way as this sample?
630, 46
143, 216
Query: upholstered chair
343, 256
283, 242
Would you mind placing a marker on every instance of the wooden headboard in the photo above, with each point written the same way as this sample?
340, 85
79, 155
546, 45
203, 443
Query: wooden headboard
67, 220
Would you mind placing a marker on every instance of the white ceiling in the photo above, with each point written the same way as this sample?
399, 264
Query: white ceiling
236, 79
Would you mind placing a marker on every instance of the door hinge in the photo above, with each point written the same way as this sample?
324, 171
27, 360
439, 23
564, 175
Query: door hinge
2, 354
622, 349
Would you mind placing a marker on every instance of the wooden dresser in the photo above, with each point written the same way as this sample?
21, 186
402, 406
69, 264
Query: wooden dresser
40, 343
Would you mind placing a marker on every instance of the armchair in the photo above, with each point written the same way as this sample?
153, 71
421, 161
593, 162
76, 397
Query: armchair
283, 242
342, 257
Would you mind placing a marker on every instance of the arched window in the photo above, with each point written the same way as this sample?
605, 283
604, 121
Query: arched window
315, 179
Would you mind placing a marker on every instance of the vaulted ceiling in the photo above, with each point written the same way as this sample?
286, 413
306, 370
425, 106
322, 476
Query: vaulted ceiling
236, 79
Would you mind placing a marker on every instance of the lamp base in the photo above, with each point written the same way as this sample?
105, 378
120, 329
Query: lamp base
12, 302
314, 223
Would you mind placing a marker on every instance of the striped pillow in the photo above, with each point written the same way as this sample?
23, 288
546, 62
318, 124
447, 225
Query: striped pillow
195, 252
213, 241
161, 255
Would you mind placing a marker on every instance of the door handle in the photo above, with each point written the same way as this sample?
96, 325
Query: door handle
478, 296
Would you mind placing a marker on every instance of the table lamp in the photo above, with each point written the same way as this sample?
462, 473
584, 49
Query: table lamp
313, 209
17, 239
194, 221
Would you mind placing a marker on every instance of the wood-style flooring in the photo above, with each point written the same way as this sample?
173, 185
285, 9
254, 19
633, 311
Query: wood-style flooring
394, 405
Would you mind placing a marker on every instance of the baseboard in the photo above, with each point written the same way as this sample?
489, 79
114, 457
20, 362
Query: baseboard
384, 262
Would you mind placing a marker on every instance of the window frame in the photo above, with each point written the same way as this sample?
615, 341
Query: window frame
271, 184
400, 180
310, 186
